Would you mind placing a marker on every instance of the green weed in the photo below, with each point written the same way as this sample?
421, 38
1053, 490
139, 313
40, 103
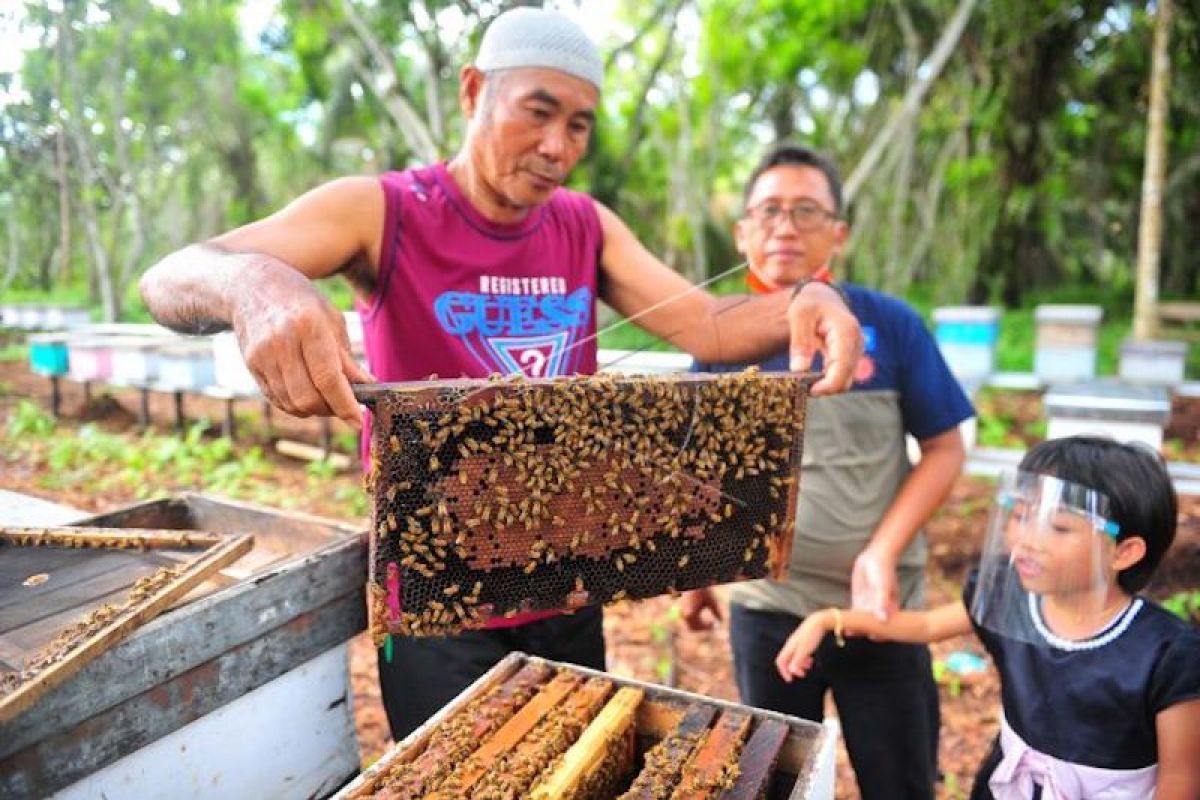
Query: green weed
944, 676
30, 420
320, 470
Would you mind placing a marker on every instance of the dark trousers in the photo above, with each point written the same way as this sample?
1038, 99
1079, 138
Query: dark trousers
980, 789
886, 699
428, 672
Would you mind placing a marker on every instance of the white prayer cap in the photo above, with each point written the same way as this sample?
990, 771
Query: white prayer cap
540, 37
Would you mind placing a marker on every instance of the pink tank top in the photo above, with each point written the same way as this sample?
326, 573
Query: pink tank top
461, 296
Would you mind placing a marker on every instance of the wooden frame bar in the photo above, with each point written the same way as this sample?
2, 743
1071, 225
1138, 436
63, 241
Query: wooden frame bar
111, 538
140, 611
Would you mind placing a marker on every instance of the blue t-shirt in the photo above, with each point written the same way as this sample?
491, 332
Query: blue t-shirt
900, 355
855, 459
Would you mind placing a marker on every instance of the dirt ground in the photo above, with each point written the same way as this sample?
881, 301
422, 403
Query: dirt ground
644, 641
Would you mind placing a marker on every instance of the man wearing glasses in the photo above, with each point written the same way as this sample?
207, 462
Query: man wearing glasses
861, 504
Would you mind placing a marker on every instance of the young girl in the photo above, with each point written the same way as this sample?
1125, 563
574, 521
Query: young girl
1100, 688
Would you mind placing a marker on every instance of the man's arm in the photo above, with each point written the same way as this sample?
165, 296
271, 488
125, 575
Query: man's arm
257, 279
729, 329
873, 580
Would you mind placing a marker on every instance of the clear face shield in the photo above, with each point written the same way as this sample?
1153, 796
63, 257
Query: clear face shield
1046, 570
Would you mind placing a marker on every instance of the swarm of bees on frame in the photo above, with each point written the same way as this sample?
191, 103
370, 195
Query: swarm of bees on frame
493, 498
549, 731
86, 627
48, 538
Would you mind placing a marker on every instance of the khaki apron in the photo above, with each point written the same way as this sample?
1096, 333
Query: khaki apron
854, 463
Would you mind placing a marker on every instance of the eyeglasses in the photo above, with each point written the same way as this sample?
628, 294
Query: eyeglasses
804, 216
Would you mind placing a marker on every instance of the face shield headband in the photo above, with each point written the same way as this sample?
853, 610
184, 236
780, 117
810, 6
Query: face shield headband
1047, 555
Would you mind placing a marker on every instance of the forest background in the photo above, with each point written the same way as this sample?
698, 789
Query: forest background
993, 152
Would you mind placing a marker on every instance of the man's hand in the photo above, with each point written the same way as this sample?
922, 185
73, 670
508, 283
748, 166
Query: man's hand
295, 344
692, 605
873, 583
820, 321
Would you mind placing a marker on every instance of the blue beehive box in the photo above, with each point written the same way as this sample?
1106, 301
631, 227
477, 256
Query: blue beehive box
967, 337
48, 354
186, 365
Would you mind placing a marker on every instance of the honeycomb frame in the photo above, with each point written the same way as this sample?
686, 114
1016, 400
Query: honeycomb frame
493, 498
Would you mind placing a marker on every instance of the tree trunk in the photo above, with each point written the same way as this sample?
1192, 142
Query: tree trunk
102, 270
902, 177
1150, 228
390, 90
913, 99
61, 162
14, 246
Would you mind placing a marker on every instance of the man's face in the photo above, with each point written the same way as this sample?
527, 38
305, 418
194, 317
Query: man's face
527, 131
790, 229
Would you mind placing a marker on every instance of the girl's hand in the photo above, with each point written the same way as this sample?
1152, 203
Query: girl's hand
796, 656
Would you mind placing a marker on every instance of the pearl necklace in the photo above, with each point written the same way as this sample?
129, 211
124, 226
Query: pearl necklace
1125, 618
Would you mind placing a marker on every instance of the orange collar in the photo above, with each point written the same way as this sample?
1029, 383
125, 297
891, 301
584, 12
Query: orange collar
758, 286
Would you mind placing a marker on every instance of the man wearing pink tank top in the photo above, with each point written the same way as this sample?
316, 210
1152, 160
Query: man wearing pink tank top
480, 264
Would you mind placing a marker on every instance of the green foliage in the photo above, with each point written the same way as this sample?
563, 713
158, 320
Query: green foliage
1014, 348
346, 442
144, 464
321, 469
946, 677
662, 634
353, 500
1017, 182
998, 431
30, 420
998, 424
150, 463
628, 336
1185, 605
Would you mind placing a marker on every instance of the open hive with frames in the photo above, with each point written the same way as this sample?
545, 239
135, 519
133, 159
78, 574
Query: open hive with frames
494, 498
546, 730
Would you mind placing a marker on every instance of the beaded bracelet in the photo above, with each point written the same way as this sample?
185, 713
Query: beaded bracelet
837, 627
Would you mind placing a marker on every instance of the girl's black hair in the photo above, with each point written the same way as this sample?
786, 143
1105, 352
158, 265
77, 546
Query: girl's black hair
1133, 477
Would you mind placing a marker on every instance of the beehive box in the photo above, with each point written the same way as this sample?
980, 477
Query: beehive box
89, 358
544, 729
59, 317
135, 359
1160, 363
185, 365
258, 656
48, 354
497, 498
967, 337
1065, 348
30, 317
